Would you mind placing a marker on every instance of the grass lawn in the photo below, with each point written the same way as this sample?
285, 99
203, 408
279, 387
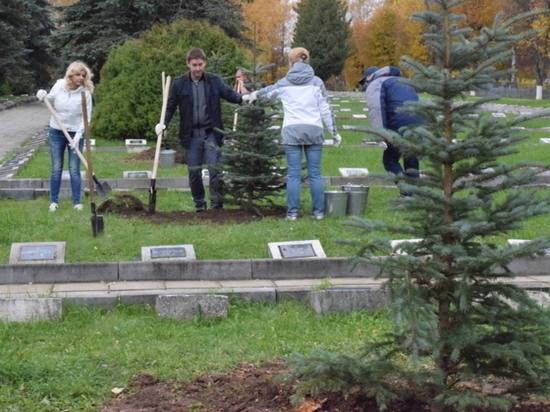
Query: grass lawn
30, 221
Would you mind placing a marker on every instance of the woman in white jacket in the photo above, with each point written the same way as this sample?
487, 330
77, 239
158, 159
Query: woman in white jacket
65, 97
306, 108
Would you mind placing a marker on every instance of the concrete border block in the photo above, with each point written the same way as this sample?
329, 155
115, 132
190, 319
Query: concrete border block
346, 300
21, 183
186, 270
58, 273
18, 194
30, 309
309, 268
192, 306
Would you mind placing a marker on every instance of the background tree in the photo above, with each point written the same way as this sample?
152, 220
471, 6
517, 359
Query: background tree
323, 29
271, 23
131, 76
457, 320
25, 58
380, 41
91, 28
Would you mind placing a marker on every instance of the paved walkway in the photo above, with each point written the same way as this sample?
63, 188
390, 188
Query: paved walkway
19, 124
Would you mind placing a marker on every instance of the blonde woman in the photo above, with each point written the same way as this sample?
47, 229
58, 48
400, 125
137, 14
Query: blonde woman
67, 102
306, 107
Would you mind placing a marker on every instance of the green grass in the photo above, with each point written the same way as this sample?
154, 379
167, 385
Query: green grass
72, 364
30, 221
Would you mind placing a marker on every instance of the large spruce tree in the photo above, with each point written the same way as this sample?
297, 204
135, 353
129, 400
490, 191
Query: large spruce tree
459, 322
91, 28
25, 58
323, 29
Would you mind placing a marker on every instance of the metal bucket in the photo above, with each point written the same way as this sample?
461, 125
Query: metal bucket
167, 159
336, 202
357, 201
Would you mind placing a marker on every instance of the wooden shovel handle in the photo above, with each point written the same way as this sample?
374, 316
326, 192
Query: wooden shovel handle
165, 92
66, 133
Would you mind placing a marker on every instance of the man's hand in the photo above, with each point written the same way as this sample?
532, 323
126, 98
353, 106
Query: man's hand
337, 140
250, 98
41, 94
159, 128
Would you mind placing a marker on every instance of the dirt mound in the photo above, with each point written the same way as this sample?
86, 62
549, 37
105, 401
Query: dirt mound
250, 388
149, 154
129, 206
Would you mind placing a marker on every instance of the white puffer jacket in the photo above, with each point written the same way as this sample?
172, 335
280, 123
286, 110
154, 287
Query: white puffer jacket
68, 105
305, 104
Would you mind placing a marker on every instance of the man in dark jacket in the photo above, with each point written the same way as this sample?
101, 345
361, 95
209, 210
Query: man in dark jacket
385, 94
197, 95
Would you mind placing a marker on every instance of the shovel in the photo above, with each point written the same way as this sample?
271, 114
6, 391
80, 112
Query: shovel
103, 189
97, 220
153, 189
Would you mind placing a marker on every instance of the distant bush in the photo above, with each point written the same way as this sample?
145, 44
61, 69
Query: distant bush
129, 97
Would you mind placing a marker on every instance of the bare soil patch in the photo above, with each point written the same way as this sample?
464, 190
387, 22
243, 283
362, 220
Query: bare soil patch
129, 206
250, 388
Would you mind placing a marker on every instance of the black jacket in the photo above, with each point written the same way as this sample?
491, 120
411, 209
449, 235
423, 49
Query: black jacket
181, 96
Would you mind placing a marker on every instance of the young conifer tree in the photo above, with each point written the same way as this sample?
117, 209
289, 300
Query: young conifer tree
459, 323
252, 154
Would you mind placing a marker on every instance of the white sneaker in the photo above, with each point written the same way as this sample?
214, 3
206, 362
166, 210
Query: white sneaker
80, 206
53, 207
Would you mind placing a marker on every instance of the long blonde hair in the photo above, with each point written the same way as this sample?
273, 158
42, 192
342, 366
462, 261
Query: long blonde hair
77, 67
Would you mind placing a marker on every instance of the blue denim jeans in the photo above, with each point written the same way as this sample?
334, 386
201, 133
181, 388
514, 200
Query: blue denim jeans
204, 150
390, 160
58, 144
294, 177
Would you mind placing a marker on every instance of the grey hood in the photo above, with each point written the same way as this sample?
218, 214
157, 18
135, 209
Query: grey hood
300, 73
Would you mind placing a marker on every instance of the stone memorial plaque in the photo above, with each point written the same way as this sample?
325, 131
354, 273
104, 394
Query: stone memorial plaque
544, 140
65, 175
138, 174
520, 241
168, 252
474, 115
298, 249
525, 113
274, 127
348, 127
499, 115
395, 244
353, 171
335, 105
37, 252
328, 142
360, 116
518, 128
130, 142
345, 110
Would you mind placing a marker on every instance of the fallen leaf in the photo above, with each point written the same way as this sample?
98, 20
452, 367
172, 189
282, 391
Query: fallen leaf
307, 407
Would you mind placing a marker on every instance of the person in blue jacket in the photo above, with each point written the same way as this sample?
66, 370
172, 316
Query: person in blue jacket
197, 95
385, 94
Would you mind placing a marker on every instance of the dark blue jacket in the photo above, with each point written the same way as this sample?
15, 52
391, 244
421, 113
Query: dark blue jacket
385, 93
181, 96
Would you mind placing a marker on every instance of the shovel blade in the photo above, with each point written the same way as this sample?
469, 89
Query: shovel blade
152, 202
97, 224
102, 189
